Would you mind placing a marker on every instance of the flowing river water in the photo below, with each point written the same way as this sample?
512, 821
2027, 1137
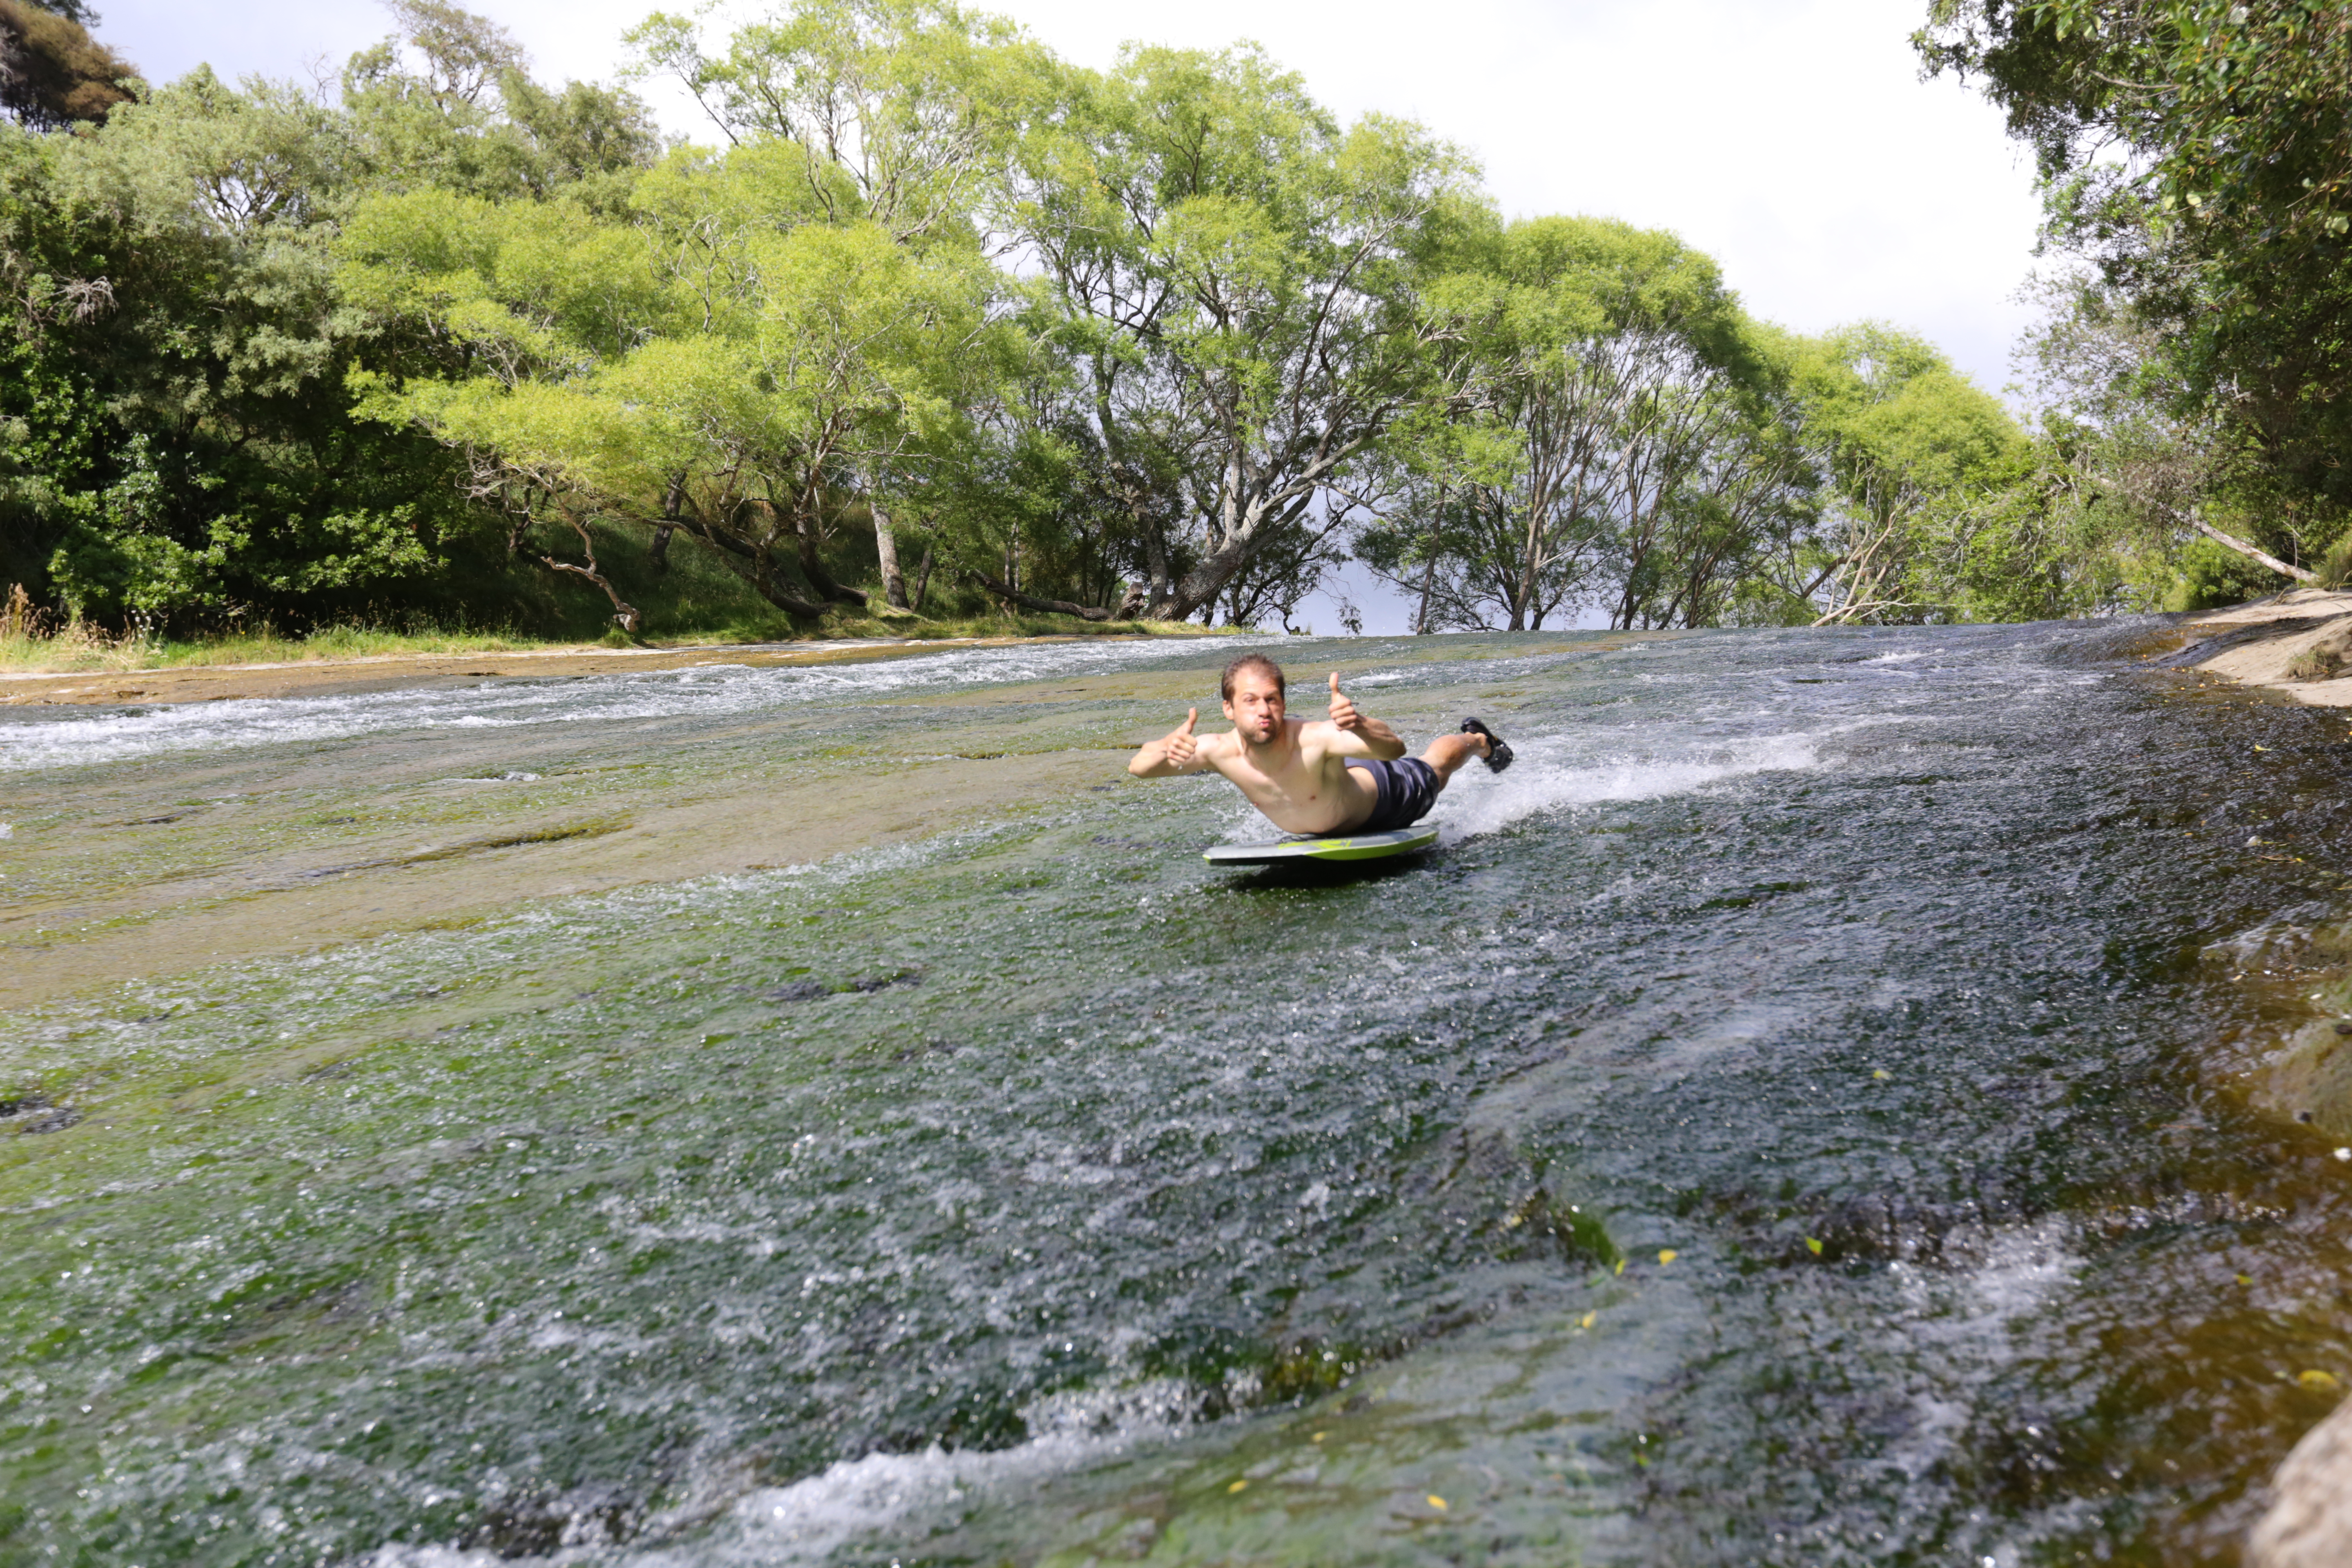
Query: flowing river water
1796, 1117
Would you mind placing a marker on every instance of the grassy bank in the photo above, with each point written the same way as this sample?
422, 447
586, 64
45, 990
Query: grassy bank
694, 602
81, 647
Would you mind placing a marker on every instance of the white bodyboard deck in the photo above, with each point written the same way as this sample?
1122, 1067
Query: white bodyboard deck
1354, 847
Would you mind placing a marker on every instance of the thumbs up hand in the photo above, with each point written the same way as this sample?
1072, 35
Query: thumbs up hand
1179, 747
1343, 712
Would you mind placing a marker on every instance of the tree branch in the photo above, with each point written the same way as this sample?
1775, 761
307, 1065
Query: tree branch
1058, 606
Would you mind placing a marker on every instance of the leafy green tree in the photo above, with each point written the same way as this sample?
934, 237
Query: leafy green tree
1939, 506
1617, 446
1035, 511
447, 103
2199, 154
2166, 484
1237, 281
731, 363
900, 109
183, 443
178, 356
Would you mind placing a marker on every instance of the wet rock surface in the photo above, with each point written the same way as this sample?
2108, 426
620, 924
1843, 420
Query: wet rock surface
1800, 1116
2309, 1524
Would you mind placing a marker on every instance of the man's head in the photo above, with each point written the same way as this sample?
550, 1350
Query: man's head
1253, 691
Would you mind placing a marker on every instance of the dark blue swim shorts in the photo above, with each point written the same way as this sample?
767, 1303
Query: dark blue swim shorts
1408, 787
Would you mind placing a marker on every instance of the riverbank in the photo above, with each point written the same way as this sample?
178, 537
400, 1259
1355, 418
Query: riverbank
346, 675
2298, 642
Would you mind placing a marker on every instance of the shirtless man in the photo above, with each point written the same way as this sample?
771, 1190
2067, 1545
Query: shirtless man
1346, 774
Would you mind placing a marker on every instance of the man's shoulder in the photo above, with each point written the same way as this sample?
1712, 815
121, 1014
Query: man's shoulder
1315, 731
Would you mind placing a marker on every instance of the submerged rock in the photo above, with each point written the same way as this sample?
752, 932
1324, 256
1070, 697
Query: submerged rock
2310, 1081
2310, 1524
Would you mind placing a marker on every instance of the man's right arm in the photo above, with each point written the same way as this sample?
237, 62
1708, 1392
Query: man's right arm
1177, 752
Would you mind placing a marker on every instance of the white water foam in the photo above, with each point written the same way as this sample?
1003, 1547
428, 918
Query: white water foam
1556, 775
1559, 773
1973, 1317
812, 1519
713, 691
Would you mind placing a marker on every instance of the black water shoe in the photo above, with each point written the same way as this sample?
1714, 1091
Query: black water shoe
1498, 756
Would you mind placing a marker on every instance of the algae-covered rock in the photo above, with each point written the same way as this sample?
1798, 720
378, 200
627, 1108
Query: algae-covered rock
2310, 1081
2310, 1524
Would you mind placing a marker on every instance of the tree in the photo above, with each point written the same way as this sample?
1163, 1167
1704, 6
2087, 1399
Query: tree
2199, 154
731, 363
1236, 281
900, 109
52, 72
447, 103
1927, 477
178, 359
1617, 446
183, 441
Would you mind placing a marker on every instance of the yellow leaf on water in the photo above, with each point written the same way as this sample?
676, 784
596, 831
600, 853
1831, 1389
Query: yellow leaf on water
1586, 1320
1881, 1073
1318, 1437
1621, 1266
1437, 1502
1813, 1246
2324, 1382
1237, 1485
2245, 1278
1667, 1255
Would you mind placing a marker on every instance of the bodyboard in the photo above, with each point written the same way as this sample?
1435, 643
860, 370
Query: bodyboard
1353, 847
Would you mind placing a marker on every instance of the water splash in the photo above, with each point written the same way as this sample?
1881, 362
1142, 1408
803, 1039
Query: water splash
1551, 776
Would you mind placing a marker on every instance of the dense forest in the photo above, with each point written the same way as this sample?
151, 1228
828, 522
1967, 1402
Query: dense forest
937, 320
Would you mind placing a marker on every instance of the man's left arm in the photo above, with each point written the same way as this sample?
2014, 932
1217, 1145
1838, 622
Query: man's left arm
1360, 734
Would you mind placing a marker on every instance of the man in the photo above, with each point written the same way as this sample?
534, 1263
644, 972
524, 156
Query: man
1345, 774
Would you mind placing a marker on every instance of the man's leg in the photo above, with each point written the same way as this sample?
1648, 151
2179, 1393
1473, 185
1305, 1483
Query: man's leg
1448, 753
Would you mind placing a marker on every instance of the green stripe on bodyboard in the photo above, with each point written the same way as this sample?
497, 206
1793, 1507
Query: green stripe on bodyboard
1353, 847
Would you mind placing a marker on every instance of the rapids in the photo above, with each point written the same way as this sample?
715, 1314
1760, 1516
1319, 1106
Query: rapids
1795, 1118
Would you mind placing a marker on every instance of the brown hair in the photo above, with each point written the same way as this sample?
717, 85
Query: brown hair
1251, 661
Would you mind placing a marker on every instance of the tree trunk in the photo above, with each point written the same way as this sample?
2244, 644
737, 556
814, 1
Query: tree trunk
1428, 584
922, 581
804, 538
625, 615
1007, 591
673, 502
886, 548
2251, 551
1200, 587
1155, 562
760, 574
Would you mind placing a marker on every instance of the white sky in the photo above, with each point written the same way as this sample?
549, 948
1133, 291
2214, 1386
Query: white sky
1790, 139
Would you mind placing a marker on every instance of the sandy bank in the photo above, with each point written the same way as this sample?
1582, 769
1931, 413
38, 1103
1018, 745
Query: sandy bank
387, 672
2299, 642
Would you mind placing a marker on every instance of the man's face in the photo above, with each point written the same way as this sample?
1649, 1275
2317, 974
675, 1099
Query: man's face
1255, 706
